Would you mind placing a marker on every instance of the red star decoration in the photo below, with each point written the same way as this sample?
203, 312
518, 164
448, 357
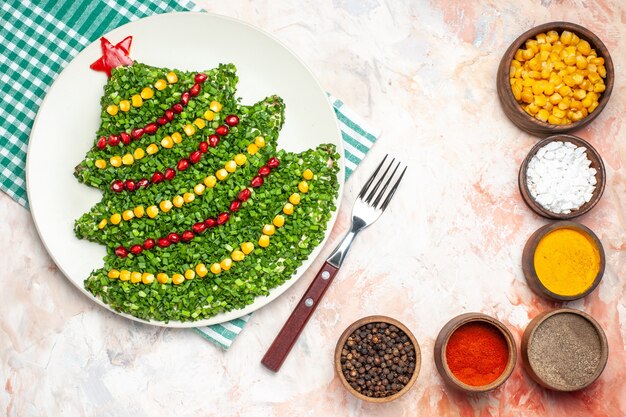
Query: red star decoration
113, 56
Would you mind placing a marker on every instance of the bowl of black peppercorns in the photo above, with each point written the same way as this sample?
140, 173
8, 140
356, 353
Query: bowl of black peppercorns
377, 359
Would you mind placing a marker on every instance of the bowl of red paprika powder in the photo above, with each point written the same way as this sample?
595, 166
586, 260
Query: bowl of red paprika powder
475, 353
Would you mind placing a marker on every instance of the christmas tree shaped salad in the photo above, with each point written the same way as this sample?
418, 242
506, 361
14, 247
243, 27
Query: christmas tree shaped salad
201, 212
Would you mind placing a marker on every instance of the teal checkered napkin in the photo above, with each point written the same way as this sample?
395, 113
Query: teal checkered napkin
38, 38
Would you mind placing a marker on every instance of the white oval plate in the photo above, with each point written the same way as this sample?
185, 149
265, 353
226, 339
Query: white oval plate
70, 115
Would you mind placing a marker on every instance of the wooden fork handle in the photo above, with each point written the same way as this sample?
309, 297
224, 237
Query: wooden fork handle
280, 348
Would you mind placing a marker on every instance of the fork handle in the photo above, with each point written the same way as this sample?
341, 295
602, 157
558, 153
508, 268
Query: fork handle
286, 338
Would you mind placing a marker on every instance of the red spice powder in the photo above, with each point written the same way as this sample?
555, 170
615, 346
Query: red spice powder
477, 353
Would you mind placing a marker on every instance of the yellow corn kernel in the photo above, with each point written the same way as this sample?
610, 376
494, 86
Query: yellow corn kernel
100, 163
215, 106
136, 100
171, 77
532, 109
279, 221
189, 197
116, 161
543, 115
527, 96
559, 65
112, 109
201, 270
555, 79
577, 79
532, 44
124, 275
570, 60
558, 112
237, 255
139, 212
116, 218
189, 130
247, 247
512, 72
135, 277
216, 268
269, 230
127, 215
189, 274
210, 181
230, 166
527, 54
124, 105
592, 68
577, 116
226, 264
264, 241
538, 88
303, 186
221, 174
307, 174
548, 89
177, 279
586, 85
543, 56
602, 71
565, 91
583, 47
147, 93
597, 61
548, 106
535, 75
167, 142
594, 77
178, 201
152, 211
554, 120
540, 101
541, 38
240, 159
177, 137
102, 224
519, 55
593, 106
578, 105
113, 274
252, 149
163, 278
579, 94
147, 278
200, 123
288, 209
128, 159
165, 206
139, 153
575, 39
566, 37
294, 199
552, 36
581, 62
586, 102
599, 88
209, 115
534, 64
259, 141
160, 85
152, 149
199, 189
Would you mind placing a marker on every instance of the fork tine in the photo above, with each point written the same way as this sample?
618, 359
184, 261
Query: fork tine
371, 194
392, 191
371, 178
382, 192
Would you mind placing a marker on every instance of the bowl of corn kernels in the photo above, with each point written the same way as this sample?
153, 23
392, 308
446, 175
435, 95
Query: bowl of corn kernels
555, 78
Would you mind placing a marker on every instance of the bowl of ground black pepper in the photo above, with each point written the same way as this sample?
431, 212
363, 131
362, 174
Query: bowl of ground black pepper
377, 359
564, 350
475, 353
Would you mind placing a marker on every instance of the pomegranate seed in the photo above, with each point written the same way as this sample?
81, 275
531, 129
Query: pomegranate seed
102, 142
195, 90
184, 98
264, 171
169, 174
187, 235
121, 252
169, 115
149, 244
163, 242
199, 227
114, 140
125, 138
183, 164
136, 249
195, 156
273, 162
143, 183
173, 237
137, 133
210, 222
232, 120
213, 140
117, 186
199, 78
157, 177
235, 205
130, 185
151, 128
256, 182
222, 218
203, 147
177, 108
222, 130
244, 195
161, 121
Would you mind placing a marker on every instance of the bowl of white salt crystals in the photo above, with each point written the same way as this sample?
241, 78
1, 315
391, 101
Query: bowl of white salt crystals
562, 177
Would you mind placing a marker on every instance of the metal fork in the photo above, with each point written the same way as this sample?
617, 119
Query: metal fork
372, 200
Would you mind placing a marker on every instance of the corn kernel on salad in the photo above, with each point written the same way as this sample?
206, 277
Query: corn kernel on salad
557, 78
201, 212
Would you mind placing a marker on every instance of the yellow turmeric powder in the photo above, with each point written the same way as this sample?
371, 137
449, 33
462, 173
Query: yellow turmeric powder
567, 261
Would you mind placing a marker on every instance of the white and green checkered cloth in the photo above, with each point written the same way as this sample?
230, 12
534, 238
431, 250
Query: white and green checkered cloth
39, 37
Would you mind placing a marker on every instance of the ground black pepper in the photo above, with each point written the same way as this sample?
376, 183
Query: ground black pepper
378, 360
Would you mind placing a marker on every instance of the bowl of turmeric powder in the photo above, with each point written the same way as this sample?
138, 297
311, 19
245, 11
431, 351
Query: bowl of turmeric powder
555, 78
563, 261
